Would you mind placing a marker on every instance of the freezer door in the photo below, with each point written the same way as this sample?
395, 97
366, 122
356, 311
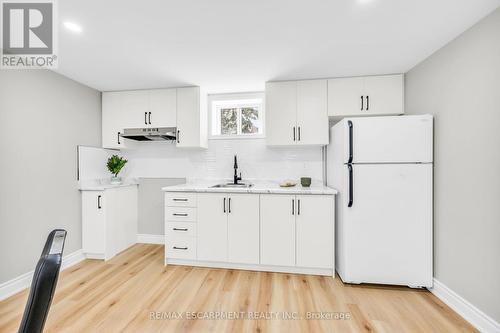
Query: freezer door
388, 228
399, 139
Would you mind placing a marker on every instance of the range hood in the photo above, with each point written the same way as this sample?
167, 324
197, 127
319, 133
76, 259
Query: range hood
150, 134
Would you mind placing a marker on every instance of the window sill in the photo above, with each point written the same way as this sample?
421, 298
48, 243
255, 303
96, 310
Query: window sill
236, 137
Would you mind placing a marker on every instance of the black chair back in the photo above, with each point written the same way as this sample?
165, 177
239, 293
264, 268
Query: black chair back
43, 284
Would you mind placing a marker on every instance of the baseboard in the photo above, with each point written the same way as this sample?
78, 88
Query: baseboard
150, 239
22, 282
469, 312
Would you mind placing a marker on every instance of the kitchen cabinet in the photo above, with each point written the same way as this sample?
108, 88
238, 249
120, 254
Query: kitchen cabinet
243, 228
277, 235
297, 230
183, 108
109, 221
113, 122
191, 118
296, 113
212, 227
258, 231
314, 231
370, 95
228, 227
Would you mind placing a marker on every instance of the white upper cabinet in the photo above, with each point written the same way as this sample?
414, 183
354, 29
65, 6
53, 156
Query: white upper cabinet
296, 113
281, 113
113, 121
312, 115
162, 108
191, 118
183, 108
371, 95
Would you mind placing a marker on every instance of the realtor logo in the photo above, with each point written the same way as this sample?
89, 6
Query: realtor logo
28, 34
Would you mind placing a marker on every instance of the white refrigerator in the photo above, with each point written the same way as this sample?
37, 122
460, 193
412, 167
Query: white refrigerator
382, 167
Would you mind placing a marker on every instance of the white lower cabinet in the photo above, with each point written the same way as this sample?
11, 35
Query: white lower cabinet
109, 221
212, 227
277, 234
243, 228
270, 232
297, 230
314, 231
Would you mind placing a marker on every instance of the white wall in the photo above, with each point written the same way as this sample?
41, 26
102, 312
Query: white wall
43, 117
460, 85
255, 161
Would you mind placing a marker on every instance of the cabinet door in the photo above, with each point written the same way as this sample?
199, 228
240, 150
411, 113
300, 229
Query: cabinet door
315, 219
243, 228
112, 121
312, 113
281, 113
212, 227
134, 108
344, 96
163, 107
277, 230
93, 223
121, 219
188, 117
385, 94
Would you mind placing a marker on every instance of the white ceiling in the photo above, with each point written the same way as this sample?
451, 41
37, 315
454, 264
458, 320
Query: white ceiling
236, 45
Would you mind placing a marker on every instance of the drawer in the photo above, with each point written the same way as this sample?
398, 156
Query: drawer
186, 214
180, 229
180, 199
180, 248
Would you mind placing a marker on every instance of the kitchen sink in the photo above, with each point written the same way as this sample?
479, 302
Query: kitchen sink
231, 185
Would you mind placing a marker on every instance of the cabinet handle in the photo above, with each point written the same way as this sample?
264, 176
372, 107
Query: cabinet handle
293, 133
118, 137
299, 134
224, 205
180, 229
362, 103
367, 102
180, 248
99, 202
178, 136
149, 118
176, 199
298, 206
229, 205
179, 214
145, 118
293, 206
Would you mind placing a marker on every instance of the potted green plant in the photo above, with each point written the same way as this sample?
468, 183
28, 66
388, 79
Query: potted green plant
115, 165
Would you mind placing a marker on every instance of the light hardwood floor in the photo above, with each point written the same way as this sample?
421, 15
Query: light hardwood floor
121, 295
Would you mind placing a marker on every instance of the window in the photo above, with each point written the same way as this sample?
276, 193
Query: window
237, 116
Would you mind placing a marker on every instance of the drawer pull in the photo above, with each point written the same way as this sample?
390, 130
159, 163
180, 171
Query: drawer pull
175, 199
180, 248
179, 214
180, 229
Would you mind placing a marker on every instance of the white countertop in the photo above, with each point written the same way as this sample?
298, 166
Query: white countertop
258, 187
103, 184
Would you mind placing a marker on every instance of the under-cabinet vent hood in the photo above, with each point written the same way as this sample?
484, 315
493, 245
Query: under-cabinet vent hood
150, 134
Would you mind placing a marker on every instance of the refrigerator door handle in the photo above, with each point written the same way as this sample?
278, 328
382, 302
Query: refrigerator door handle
349, 204
349, 124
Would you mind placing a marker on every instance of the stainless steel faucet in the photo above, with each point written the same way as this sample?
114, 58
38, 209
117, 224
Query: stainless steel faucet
235, 177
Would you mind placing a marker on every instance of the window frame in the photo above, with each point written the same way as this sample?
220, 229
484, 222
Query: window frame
236, 100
